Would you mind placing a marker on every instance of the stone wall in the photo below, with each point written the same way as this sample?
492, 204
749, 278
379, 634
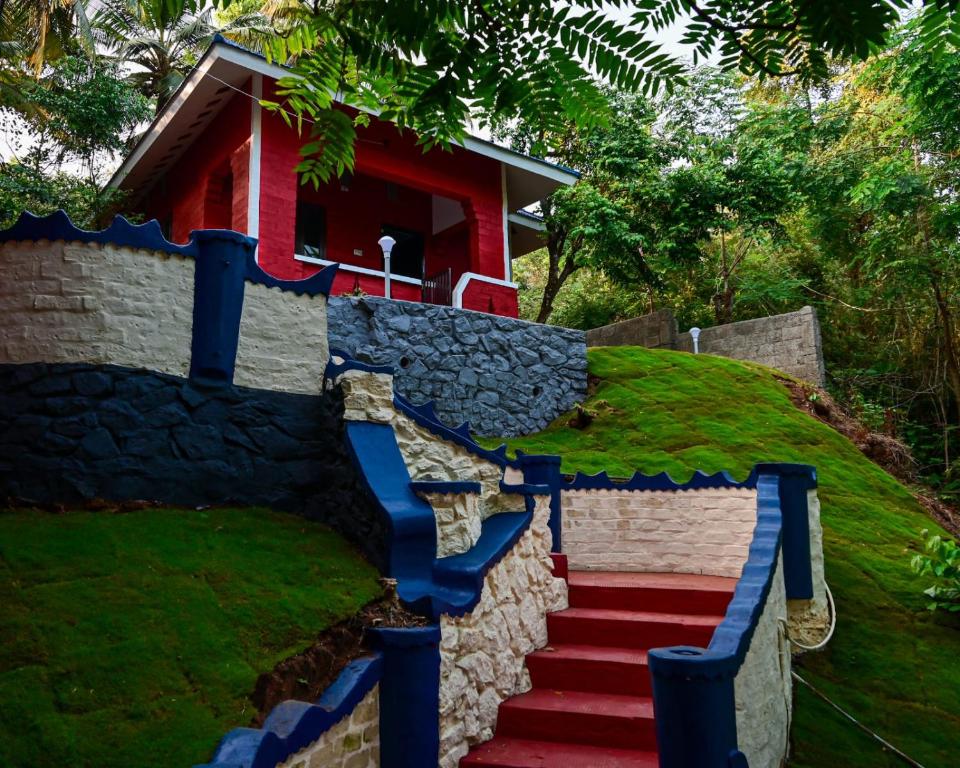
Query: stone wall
73, 432
762, 687
705, 531
482, 654
93, 303
354, 742
788, 342
283, 340
504, 376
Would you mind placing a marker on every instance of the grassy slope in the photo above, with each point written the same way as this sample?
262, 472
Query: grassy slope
893, 664
135, 639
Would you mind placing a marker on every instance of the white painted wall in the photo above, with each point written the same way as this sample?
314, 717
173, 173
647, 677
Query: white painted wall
90, 303
697, 531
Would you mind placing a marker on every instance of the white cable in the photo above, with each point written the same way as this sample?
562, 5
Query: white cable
833, 625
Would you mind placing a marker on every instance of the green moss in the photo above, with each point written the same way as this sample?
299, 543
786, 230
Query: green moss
136, 639
891, 663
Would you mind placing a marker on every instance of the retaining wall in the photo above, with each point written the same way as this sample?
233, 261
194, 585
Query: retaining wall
73, 432
504, 376
789, 342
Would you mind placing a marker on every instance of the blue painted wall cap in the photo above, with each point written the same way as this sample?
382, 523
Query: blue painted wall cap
526, 459
690, 662
784, 469
223, 235
405, 637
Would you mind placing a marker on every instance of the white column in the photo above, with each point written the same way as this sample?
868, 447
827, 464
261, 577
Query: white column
253, 179
507, 264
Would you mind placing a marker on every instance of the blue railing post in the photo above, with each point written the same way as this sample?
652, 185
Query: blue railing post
409, 696
545, 470
221, 269
795, 481
695, 706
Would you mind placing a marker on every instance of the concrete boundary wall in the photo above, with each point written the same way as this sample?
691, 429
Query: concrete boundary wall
789, 342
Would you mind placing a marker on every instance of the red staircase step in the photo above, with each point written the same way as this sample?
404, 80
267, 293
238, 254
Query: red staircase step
590, 668
523, 753
668, 592
603, 720
629, 629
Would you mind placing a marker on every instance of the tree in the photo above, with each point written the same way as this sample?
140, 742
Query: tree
163, 39
432, 66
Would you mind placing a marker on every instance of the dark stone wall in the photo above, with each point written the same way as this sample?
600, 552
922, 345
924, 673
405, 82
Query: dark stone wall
506, 377
74, 432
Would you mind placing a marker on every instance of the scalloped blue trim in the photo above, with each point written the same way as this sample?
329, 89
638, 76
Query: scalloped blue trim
293, 725
57, 226
426, 416
658, 482
315, 285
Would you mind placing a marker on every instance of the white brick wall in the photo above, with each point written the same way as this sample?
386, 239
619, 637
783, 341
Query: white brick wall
696, 531
90, 303
762, 688
283, 340
354, 742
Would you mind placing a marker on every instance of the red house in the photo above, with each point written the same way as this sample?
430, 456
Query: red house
214, 158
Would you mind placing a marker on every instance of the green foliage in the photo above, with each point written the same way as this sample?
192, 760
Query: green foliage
136, 639
24, 188
891, 662
941, 560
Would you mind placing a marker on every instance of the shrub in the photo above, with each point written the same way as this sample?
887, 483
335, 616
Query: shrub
940, 559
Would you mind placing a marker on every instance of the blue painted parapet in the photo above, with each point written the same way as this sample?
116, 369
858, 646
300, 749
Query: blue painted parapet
409, 696
293, 725
545, 470
693, 688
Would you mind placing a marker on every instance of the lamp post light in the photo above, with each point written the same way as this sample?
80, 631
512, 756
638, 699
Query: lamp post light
695, 335
386, 244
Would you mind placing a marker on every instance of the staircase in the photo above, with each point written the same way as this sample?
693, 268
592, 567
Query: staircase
590, 705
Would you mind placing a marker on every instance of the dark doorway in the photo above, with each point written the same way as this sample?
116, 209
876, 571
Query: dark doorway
407, 256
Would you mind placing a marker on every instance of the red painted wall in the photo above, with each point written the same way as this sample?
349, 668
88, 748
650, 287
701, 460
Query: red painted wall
346, 282
184, 193
487, 297
386, 155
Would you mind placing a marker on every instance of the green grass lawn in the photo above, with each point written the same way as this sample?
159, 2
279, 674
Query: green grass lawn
134, 640
891, 663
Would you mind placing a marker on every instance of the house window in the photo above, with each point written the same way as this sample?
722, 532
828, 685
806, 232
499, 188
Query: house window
407, 256
311, 237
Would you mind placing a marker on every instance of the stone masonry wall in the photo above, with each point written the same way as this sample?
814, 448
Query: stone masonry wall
482, 654
788, 342
283, 340
354, 742
73, 432
762, 688
504, 376
697, 531
90, 303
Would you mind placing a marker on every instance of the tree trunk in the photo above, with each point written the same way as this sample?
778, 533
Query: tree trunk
556, 277
949, 343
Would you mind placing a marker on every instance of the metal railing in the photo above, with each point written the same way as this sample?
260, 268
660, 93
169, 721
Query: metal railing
438, 288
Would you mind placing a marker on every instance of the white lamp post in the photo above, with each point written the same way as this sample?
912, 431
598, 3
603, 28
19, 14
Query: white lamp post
386, 244
695, 335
